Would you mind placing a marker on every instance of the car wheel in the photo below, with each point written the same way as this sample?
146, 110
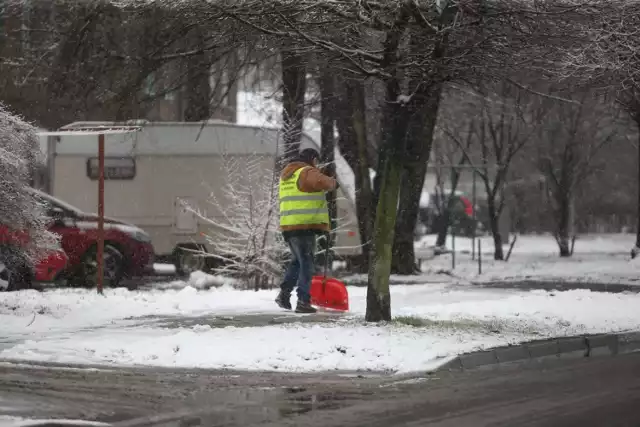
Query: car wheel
187, 260
15, 270
5, 277
113, 262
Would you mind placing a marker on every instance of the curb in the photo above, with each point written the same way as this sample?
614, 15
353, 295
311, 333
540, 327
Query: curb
556, 348
564, 285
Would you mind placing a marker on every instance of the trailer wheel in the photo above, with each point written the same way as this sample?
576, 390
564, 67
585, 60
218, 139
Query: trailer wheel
187, 260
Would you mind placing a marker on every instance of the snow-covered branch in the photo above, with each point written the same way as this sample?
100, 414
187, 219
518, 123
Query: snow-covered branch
21, 211
243, 221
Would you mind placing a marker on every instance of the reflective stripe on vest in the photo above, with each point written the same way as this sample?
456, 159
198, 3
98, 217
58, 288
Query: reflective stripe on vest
298, 207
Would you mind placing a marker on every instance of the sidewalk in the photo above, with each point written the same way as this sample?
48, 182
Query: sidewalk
239, 320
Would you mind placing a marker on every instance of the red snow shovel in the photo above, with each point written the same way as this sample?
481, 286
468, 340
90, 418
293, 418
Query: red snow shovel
329, 292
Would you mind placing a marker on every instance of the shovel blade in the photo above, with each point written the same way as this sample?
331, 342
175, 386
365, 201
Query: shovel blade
330, 293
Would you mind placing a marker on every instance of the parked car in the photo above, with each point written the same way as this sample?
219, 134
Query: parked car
17, 271
128, 251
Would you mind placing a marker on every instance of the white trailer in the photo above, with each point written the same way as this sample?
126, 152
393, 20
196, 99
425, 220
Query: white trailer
149, 174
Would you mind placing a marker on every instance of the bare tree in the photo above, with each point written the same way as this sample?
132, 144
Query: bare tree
567, 151
352, 129
450, 157
606, 58
328, 146
504, 127
66, 63
412, 48
294, 88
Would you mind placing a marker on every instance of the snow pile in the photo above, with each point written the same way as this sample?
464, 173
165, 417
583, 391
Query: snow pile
294, 348
435, 322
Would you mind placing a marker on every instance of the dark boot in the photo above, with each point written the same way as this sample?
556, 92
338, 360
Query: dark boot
305, 307
284, 300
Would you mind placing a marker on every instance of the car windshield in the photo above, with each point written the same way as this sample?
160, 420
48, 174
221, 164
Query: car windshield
55, 202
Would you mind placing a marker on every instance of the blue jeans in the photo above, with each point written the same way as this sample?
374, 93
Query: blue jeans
301, 268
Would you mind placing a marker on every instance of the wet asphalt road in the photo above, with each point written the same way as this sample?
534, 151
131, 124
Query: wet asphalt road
582, 392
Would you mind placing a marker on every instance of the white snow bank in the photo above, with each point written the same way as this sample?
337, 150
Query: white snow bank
285, 348
587, 268
8, 421
198, 280
543, 244
600, 259
455, 319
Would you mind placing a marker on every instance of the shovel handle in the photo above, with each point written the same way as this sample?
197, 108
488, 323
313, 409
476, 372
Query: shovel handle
327, 237
326, 255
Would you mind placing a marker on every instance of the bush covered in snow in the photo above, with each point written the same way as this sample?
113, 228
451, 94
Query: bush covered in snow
244, 222
20, 211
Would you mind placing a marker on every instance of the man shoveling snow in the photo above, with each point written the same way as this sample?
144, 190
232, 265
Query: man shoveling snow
303, 214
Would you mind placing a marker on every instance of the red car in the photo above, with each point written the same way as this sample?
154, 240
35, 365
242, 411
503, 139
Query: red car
51, 266
128, 251
17, 272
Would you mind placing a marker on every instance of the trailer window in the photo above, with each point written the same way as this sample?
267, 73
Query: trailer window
114, 168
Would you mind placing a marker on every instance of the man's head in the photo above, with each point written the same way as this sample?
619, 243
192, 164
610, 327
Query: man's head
309, 156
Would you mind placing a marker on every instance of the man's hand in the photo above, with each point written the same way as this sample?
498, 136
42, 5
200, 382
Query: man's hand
326, 170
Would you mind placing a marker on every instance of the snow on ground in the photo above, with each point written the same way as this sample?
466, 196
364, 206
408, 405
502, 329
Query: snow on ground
543, 244
9, 421
59, 310
597, 259
79, 326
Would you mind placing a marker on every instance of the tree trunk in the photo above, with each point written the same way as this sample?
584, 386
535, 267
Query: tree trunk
353, 140
564, 211
423, 113
327, 149
294, 86
364, 193
494, 224
198, 87
393, 147
565, 225
378, 296
391, 156
445, 217
636, 249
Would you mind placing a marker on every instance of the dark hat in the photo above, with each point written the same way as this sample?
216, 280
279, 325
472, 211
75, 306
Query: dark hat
308, 155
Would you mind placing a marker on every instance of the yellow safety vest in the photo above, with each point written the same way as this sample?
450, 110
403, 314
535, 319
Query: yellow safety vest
301, 208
